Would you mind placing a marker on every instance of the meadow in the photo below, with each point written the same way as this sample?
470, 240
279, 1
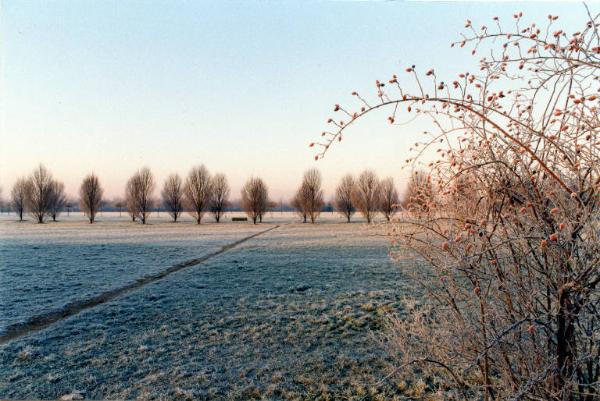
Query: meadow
292, 313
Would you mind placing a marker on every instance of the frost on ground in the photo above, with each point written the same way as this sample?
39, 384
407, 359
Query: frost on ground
290, 314
45, 267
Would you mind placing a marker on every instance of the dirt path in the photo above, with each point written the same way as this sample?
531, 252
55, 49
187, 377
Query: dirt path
40, 322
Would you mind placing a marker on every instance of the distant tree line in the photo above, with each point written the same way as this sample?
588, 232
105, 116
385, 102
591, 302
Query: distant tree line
365, 194
43, 197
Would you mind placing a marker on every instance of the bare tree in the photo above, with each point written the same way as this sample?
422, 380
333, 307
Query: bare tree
131, 198
39, 193
139, 194
365, 194
198, 192
172, 196
309, 197
508, 259
146, 188
90, 196
219, 200
19, 196
297, 203
119, 204
58, 199
388, 198
255, 199
343, 197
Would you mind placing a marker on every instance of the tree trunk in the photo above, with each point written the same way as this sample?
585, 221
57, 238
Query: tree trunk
565, 346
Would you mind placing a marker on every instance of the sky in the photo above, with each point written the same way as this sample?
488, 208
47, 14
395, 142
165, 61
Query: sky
242, 87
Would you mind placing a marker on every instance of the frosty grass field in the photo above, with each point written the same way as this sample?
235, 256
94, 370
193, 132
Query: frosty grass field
290, 314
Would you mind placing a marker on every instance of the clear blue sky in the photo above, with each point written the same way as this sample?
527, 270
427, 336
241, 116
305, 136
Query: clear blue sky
243, 87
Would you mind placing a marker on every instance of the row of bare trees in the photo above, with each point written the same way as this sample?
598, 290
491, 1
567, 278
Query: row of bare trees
198, 194
39, 194
368, 195
201, 192
42, 196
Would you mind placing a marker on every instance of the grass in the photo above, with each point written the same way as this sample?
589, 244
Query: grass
290, 315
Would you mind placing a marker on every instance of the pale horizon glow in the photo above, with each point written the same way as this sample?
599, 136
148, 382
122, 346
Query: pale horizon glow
241, 87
